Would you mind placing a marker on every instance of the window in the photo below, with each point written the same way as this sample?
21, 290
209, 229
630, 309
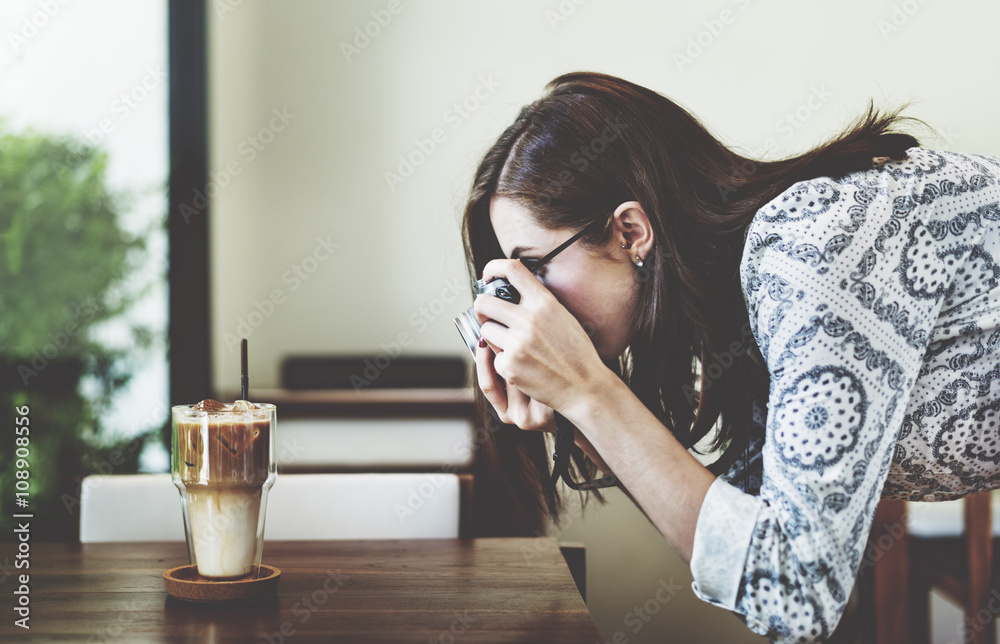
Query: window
83, 244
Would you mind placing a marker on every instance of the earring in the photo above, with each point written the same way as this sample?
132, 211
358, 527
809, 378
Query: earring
638, 262
629, 245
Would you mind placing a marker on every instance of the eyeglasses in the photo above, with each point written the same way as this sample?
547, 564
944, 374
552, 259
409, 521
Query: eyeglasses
534, 265
565, 432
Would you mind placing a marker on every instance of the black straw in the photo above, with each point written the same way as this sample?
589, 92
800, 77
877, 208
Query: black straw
245, 380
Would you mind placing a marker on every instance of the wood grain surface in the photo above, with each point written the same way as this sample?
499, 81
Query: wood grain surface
447, 590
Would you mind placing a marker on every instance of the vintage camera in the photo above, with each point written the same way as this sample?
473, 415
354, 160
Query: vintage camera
467, 323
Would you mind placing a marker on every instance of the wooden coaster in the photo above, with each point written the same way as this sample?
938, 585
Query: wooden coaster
184, 582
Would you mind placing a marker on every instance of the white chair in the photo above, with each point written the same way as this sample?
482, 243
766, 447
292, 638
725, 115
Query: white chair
374, 444
146, 507
945, 518
952, 552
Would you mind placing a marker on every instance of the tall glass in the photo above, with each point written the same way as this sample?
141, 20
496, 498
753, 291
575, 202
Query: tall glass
223, 464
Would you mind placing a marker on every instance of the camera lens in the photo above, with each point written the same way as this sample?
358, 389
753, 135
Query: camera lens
498, 287
467, 322
468, 325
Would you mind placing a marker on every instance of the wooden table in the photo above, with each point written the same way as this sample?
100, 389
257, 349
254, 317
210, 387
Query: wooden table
433, 590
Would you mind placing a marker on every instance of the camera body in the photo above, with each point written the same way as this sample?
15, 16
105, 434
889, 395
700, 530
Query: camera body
467, 323
497, 287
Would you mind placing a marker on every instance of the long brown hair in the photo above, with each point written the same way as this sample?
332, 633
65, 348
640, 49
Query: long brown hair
595, 141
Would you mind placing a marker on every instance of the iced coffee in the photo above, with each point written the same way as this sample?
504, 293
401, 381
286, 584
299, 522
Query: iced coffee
223, 464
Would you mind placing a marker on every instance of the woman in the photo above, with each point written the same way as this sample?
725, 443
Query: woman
834, 317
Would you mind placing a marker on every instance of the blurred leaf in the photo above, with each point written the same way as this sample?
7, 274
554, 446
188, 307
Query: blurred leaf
13, 246
61, 243
65, 270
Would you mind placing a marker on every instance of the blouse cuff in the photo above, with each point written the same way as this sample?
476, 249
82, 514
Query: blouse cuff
721, 542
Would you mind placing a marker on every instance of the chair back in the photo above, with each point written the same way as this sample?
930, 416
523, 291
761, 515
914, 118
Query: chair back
147, 507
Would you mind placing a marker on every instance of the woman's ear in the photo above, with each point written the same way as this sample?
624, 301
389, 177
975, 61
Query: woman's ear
633, 232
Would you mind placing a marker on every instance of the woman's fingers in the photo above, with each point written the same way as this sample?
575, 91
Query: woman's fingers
488, 307
512, 405
527, 413
540, 346
491, 384
496, 335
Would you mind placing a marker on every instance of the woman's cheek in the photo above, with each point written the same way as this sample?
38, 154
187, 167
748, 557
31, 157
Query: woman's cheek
581, 305
579, 295
563, 289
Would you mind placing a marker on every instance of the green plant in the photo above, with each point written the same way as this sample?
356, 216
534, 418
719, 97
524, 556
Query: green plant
65, 264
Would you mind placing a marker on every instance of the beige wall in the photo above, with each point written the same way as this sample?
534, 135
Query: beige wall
779, 74
313, 251
637, 586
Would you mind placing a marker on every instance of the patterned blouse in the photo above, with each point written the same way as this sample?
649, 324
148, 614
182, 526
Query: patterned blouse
874, 300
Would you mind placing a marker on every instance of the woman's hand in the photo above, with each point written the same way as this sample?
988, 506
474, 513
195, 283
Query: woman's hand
536, 347
511, 404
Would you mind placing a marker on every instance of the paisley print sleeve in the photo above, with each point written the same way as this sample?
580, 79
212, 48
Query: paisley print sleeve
823, 264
